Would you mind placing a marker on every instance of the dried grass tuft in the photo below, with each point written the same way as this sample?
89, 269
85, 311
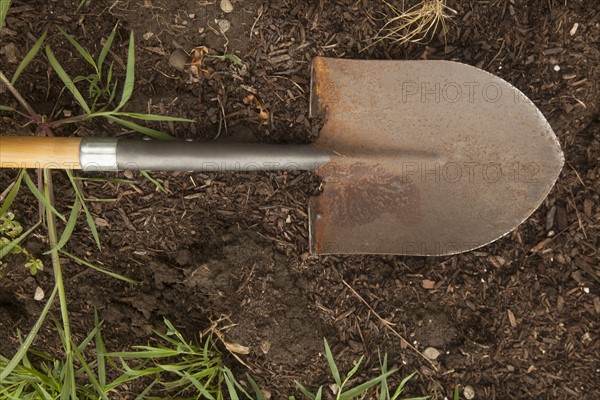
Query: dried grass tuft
417, 24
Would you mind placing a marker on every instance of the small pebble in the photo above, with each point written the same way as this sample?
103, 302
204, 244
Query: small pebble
11, 54
265, 346
223, 25
573, 30
557, 68
226, 6
39, 294
431, 353
178, 59
469, 392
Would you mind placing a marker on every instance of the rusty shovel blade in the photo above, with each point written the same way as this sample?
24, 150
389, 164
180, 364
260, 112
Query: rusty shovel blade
432, 157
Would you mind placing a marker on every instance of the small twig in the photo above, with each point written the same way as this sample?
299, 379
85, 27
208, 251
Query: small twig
223, 119
574, 205
260, 13
497, 54
388, 325
286, 78
218, 32
578, 176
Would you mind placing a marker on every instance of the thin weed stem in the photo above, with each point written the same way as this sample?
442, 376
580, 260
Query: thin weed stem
34, 116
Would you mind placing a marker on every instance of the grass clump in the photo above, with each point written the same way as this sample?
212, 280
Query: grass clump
102, 89
173, 368
169, 368
344, 391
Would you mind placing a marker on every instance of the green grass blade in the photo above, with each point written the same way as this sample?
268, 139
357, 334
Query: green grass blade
152, 353
88, 339
229, 57
32, 335
43, 393
6, 249
67, 81
352, 372
257, 392
358, 390
385, 390
104, 180
144, 117
91, 223
113, 92
68, 386
401, 386
130, 75
334, 369
229, 379
144, 393
227, 372
4, 6
41, 198
305, 391
6, 108
10, 197
69, 228
142, 129
30, 56
90, 374
156, 183
198, 386
105, 49
88, 216
151, 117
319, 393
80, 49
57, 269
102, 270
100, 350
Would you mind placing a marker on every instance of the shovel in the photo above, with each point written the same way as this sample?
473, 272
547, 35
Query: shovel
417, 158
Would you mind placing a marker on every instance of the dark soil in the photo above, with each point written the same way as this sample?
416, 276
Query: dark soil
517, 319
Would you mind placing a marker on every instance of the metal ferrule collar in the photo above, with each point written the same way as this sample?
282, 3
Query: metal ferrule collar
98, 154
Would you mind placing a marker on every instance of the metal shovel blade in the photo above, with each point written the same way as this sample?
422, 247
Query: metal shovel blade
433, 157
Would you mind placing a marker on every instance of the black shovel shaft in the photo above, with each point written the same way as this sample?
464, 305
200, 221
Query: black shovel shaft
201, 156
152, 155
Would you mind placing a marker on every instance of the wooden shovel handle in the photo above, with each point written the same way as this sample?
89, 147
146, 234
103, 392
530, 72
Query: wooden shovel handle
39, 152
